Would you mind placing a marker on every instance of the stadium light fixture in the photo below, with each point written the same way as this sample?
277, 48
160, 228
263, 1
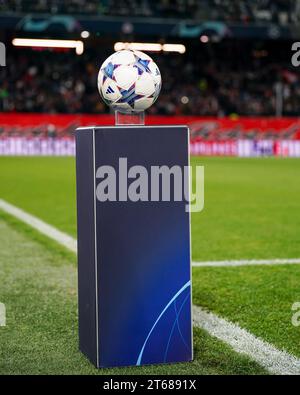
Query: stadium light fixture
204, 39
150, 47
180, 48
184, 100
85, 34
49, 43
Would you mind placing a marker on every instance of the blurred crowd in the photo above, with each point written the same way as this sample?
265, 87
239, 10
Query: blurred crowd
218, 84
282, 11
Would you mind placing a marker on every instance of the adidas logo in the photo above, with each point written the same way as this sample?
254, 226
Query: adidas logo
109, 90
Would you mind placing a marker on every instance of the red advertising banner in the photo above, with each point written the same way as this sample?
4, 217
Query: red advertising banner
41, 134
202, 128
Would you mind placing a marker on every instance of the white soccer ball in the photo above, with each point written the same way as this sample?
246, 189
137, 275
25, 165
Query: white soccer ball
129, 81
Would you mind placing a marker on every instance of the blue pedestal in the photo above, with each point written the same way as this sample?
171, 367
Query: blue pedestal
134, 274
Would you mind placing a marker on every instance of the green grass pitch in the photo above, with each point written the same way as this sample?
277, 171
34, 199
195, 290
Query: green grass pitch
252, 210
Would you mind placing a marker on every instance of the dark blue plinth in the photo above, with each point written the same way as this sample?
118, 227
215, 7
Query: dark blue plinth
134, 272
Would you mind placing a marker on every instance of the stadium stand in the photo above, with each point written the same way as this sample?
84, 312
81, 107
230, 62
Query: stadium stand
46, 93
282, 11
215, 82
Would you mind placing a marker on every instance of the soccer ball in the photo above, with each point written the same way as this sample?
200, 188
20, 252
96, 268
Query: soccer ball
129, 81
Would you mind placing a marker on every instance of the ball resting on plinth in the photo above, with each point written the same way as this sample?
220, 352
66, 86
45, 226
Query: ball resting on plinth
129, 82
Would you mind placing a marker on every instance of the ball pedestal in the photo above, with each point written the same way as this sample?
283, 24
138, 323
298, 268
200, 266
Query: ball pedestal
129, 118
134, 273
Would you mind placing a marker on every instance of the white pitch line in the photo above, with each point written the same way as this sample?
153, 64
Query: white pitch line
274, 360
44, 228
71, 243
248, 262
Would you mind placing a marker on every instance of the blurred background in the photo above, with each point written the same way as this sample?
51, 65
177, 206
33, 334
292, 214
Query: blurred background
229, 74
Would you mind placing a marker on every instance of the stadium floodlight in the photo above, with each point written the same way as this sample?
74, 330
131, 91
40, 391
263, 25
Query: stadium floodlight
204, 39
150, 47
49, 43
85, 34
180, 48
